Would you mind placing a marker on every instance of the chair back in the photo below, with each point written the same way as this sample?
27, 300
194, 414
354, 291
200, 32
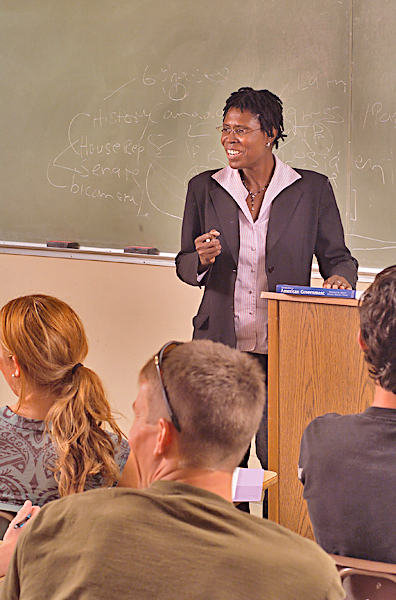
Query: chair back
366, 579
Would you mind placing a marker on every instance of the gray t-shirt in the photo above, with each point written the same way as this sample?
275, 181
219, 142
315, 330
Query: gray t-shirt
26, 457
348, 468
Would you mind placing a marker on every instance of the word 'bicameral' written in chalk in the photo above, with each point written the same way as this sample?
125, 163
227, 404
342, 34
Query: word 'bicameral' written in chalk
142, 142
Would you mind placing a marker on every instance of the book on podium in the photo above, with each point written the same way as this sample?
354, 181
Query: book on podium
303, 290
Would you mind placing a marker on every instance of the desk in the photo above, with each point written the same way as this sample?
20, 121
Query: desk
270, 478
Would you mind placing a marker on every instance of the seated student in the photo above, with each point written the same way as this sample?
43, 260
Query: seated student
11, 536
52, 440
348, 462
179, 535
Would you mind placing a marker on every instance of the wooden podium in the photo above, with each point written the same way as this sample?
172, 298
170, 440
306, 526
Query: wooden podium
315, 366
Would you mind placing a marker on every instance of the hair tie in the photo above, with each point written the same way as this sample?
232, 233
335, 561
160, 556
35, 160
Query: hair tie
74, 369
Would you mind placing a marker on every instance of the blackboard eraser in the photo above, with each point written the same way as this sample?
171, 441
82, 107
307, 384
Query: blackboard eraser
61, 244
141, 250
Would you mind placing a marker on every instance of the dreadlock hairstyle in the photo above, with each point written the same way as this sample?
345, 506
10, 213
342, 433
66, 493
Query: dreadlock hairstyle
262, 103
49, 342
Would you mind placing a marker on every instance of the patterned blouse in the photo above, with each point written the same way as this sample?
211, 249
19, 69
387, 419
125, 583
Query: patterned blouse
26, 457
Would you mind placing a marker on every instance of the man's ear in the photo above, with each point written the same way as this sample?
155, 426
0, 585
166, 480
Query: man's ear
361, 341
165, 435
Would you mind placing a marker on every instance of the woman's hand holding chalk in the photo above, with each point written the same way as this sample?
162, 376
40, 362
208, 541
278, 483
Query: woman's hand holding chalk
208, 247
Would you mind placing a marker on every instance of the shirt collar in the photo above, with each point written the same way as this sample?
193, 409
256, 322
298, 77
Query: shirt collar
231, 181
380, 413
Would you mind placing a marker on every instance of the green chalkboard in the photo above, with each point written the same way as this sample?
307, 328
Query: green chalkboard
372, 213
110, 107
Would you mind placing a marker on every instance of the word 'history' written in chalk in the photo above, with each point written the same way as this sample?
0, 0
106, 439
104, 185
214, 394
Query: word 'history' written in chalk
134, 144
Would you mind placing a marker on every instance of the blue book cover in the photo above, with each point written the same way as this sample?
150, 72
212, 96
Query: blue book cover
303, 290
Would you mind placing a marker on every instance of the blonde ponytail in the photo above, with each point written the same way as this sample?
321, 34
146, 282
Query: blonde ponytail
49, 341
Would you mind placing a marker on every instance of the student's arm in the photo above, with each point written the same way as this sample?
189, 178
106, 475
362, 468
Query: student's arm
12, 534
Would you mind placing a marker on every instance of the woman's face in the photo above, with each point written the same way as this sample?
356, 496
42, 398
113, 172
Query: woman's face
249, 150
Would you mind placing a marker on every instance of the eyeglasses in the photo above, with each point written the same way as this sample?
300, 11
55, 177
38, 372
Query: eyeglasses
239, 131
158, 359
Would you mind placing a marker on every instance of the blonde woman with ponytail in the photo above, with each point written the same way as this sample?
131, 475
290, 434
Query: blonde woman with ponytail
54, 441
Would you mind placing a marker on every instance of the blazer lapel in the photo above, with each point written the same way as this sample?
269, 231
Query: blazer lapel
282, 209
227, 214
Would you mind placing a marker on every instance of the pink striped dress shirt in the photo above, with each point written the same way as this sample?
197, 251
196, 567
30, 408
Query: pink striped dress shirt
251, 313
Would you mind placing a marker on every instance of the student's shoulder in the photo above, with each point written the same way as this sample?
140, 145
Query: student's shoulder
295, 555
88, 505
328, 422
330, 433
279, 537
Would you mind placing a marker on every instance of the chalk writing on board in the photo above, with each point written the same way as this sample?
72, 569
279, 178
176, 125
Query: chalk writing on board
311, 134
378, 114
123, 150
360, 163
376, 244
137, 145
315, 128
142, 142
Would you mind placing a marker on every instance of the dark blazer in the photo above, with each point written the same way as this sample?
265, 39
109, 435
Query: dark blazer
304, 221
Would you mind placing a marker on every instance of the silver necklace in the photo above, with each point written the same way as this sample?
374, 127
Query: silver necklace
252, 196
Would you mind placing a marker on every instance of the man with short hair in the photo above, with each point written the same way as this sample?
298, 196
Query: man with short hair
348, 462
179, 535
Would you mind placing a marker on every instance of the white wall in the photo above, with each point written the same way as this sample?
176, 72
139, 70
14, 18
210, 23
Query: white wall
128, 311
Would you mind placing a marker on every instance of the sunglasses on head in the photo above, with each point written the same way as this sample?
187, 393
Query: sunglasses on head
158, 359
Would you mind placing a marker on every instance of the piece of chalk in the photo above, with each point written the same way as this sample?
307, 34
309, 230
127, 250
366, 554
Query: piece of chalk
141, 250
61, 244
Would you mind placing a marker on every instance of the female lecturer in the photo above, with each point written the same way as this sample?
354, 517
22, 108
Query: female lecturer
255, 224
